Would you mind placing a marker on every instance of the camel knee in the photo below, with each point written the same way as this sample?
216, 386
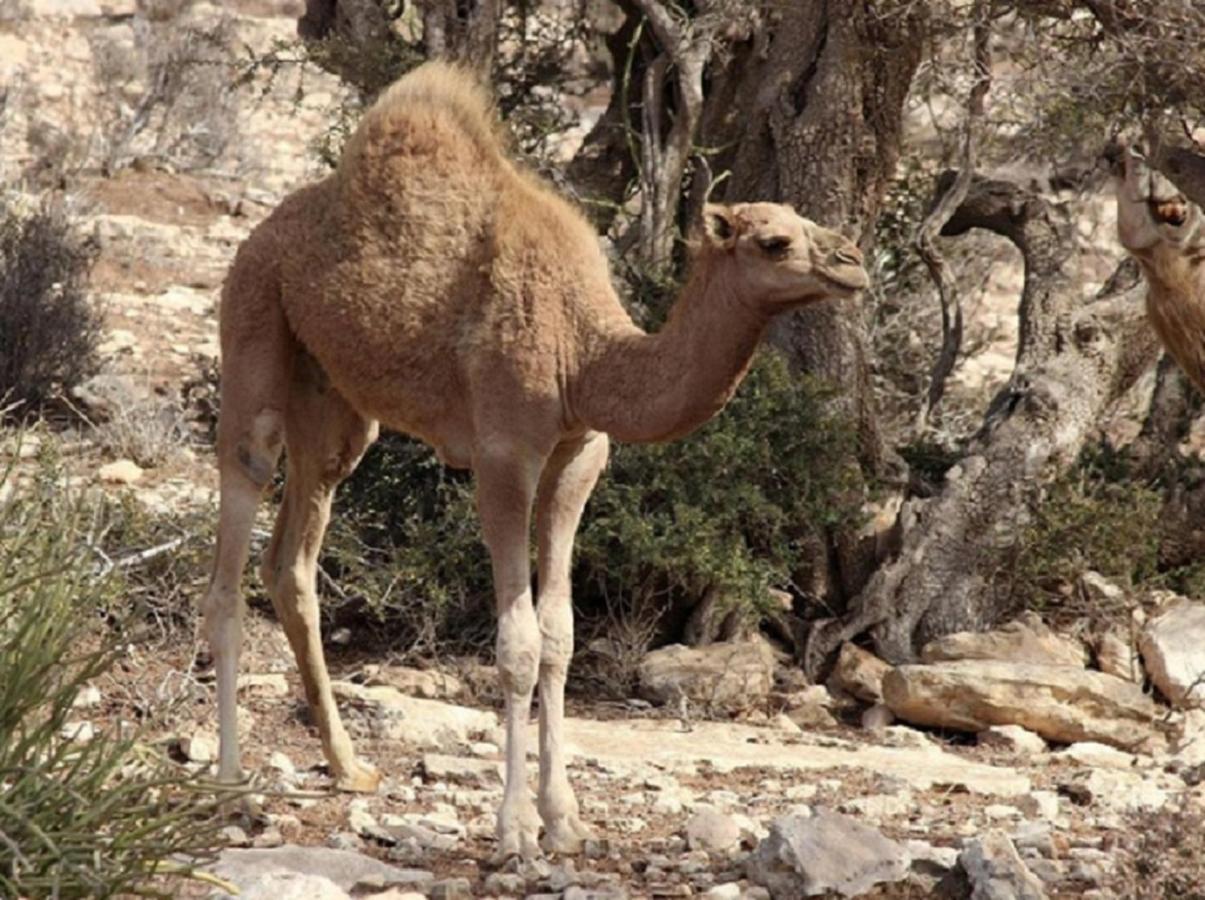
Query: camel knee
294, 597
222, 619
256, 450
518, 650
556, 633
336, 468
340, 464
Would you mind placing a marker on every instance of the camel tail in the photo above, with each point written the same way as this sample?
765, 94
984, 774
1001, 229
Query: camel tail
438, 89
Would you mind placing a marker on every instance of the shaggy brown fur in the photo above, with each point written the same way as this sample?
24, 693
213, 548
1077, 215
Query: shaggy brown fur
432, 285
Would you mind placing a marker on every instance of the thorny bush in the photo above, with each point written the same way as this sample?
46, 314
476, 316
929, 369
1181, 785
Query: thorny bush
48, 328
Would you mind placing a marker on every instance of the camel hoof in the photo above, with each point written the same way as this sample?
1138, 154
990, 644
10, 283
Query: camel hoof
564, 835
518, 832
361, 778
520, 843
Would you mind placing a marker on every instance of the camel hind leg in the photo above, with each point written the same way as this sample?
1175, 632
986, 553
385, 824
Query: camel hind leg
325, 439
255, 374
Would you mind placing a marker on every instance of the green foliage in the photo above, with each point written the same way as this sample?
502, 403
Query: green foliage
726, 508
405, 544
1098, 518
78, 818
48, 329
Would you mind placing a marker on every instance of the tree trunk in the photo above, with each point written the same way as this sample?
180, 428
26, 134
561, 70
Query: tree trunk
1075, 359
362, 23
810, 109
466, 32
820, 105
1168, 419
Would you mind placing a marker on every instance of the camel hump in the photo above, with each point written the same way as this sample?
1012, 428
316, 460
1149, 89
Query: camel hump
422, 111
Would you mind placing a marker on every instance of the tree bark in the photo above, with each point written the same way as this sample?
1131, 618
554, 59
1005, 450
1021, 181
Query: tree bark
466, 32
1075, 359
819, 106
809, 107
1168, 420
603, 166
359, 22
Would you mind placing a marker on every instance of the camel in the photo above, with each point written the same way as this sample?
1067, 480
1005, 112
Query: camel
1164, 233
433, 286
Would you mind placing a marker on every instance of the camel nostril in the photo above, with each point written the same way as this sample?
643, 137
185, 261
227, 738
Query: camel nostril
1172, 212
850, 254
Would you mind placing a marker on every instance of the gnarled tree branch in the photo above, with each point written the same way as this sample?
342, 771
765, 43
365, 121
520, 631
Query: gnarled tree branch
685, 49
1075, 359
945, 206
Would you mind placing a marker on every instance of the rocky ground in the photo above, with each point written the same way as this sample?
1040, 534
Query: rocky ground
1056, 779
1035, 765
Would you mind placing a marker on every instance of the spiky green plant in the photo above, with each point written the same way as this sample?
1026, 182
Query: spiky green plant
78, 818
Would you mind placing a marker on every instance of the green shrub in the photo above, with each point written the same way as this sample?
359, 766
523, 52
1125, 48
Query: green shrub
406, 545
1105, 517
79, 818
728, 506
724, 508
1098, 518
48, 329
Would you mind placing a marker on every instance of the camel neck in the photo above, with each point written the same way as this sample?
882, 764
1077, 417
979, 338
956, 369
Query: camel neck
640, 387
1175, 305
1175, 274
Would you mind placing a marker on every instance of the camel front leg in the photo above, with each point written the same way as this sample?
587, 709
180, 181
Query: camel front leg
222, 608
506, 485
566, 484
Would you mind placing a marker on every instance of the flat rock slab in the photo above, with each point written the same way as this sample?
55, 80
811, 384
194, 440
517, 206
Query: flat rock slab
825, 853
346, 869
1173, 649
1027, 640
1060, 703
281, 885
725, 675
427, 724
636, 744
442, 767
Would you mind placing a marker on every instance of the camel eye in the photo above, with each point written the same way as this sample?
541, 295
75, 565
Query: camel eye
775, 246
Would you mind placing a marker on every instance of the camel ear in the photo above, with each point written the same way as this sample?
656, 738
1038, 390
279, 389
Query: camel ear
719, 225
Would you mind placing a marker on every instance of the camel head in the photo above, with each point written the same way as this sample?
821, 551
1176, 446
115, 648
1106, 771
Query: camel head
1151, 211
779, 258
